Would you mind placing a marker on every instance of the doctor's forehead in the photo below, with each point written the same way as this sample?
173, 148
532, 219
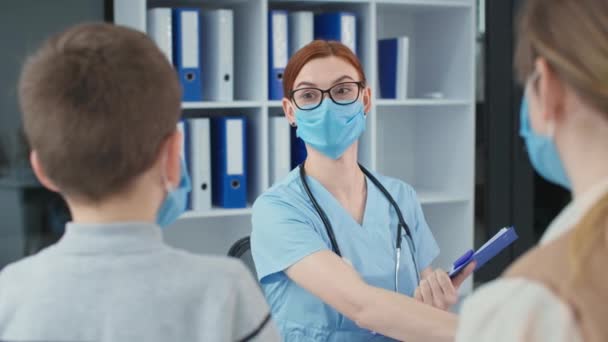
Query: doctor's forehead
325, 72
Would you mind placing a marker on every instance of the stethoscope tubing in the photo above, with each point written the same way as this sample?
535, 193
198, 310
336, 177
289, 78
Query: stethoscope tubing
401, 226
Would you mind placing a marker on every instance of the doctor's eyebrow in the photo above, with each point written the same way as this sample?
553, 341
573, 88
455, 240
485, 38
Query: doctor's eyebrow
342, 79
313, 85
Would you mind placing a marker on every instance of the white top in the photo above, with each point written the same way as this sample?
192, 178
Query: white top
522, 310
120, 282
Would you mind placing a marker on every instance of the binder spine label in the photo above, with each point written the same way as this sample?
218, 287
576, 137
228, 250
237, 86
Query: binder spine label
235, 145
279, 41
190, 39
348, 34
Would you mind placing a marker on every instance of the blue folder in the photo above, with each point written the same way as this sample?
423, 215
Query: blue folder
186, 52
229, 162
387, 68
504, 238
339, 26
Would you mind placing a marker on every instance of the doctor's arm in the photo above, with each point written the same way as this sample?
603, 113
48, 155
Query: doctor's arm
327, 276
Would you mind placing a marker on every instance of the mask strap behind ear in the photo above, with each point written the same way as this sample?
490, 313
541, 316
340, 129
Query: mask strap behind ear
163, 174
550, 129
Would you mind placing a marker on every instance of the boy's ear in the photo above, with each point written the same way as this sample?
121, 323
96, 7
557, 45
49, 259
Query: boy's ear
173, 148
40, 174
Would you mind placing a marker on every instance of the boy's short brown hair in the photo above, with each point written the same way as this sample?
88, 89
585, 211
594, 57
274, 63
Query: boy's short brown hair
97, 102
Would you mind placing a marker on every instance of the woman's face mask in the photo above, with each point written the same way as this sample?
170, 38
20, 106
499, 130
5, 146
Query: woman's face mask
331, 128
541, 149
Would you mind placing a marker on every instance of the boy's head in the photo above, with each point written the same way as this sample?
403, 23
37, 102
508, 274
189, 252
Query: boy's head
100, 105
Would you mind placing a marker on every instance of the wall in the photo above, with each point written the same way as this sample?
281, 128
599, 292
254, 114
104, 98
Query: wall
23, 26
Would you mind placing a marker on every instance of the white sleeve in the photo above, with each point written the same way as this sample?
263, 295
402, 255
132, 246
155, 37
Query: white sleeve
516, 310
253, 320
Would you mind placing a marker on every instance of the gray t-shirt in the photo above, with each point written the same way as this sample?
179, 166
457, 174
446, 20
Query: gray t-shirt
120, 282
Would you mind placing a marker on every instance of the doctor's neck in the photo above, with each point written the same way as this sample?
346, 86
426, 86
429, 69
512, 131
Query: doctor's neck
341, 177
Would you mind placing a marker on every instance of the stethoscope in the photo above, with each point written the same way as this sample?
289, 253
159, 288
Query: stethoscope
401, 225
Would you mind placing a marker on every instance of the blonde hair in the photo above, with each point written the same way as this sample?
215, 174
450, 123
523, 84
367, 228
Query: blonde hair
588, 235
572, 36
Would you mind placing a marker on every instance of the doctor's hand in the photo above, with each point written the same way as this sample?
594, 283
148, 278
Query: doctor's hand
438, 290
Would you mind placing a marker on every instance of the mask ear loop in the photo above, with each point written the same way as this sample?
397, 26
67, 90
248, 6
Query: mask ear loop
551, 130
293, 124
163, 174
362, 99
531, 81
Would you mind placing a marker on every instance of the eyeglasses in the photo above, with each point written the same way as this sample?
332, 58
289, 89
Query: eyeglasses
342, 94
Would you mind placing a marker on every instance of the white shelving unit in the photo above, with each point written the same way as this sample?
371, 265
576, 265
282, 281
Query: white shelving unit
217, 212
427, 142
218, 105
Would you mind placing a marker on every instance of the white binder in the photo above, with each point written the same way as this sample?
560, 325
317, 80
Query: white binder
403, 62
301, 30
280, 145
218, 54
278, 37
160, 29
349, 31
200, 163
234, 147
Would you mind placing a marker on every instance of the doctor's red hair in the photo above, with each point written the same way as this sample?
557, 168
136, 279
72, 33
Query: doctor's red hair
314, 50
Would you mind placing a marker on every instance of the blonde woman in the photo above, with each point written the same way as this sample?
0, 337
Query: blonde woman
559, 290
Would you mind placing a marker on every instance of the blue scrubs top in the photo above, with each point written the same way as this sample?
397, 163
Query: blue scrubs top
286, 228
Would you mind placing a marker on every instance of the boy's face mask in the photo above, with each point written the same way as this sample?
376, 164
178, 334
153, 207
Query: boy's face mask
176, 199
331, 128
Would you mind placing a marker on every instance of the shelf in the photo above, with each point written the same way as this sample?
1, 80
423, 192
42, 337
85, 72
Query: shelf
274, 103
407, 102
192, 3
318, 2
439, 161
429, 142
441, 51
213, 105
439, 197
217, 212
422, 102
427, 3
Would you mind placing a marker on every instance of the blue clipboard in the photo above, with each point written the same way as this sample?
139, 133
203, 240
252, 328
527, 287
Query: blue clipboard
504, 238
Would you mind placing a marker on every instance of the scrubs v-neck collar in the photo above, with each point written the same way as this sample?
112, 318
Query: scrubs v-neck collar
327, 200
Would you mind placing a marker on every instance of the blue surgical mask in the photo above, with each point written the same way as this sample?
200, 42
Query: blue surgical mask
542, 151
331, 128
176, 200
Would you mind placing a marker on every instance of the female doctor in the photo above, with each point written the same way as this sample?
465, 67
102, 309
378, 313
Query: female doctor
344, 254
558, 291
